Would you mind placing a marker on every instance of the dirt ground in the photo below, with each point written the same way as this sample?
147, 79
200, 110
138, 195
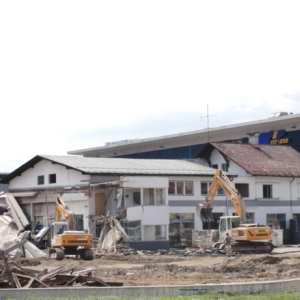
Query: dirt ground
144, 270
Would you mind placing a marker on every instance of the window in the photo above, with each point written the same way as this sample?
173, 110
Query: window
296, 217
180, 188
249, 218
133, 230
215, 166
159, 196
52, 178
137, 198
243, 189
154, 197
155, 232
267, 191
205, 189
184, 222
41, 179
148, 196
224, 167
276, 221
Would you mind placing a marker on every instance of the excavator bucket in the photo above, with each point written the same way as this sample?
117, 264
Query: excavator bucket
204, 212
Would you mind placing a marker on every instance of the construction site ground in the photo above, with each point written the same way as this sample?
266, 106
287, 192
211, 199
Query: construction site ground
150, 270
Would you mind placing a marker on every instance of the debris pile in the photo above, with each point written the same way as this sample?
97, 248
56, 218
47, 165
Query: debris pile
15, 276
15, 238
112, 235
127, 251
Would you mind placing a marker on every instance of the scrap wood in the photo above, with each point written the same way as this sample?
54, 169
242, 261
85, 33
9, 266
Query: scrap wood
50, 274
7, 268
72, 280
28, 285
16, 280
35, 279
82, 271
15, 276
81, 278
19, 268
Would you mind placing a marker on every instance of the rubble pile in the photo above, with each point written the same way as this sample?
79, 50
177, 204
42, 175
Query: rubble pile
15, 276
122, 250
112, 235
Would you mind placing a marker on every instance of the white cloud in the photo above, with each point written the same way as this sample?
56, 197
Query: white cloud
77, 74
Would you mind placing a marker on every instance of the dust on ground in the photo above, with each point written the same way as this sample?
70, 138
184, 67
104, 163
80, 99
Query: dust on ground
144, 270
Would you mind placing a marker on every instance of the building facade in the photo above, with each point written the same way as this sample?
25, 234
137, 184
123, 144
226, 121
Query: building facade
105, 186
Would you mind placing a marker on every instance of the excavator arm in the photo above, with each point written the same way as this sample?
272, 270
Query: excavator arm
63, 209
204, 210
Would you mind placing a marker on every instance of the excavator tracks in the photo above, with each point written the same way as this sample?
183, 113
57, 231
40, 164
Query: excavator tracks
248, 247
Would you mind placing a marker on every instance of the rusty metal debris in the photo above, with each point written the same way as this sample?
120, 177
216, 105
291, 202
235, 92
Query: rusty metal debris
14, 276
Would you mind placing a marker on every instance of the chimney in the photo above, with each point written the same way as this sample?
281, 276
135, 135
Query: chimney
253, 138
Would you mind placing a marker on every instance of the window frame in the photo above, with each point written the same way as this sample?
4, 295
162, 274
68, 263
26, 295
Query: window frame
208, 183
224, 167
278, 220
241, 191
51, 177
184, 188
42, 181
267, 192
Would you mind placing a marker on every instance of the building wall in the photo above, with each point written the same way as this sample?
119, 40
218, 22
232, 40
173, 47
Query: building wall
64, 177
190, 151
284, 200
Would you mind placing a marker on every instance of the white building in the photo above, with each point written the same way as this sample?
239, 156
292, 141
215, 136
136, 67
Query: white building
93, 186
268, 178
278, 128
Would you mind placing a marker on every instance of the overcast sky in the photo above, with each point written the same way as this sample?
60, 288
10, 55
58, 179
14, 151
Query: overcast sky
77, 74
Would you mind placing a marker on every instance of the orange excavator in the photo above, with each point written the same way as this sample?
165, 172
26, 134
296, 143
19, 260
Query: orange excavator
65, 239
248, 237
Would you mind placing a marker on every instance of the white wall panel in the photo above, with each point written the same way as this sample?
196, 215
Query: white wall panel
144, 182
64, 176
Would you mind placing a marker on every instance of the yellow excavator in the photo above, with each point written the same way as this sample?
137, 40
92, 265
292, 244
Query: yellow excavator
248, 237
65, 239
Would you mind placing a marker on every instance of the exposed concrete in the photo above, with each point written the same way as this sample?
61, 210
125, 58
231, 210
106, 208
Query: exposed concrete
156, 291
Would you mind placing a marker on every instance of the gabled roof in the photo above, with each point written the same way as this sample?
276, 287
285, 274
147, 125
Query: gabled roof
258, 160
119, 166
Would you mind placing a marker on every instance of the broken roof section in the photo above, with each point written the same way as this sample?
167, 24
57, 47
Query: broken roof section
119, 166
258, 160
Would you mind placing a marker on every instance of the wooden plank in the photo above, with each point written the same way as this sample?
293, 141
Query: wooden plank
28, 285
83, 279
100, 203
72, 280
11, 278
35, 279
17, 281
50, 274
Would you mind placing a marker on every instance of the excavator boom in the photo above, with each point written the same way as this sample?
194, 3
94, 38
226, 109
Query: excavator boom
63, 209
204, 210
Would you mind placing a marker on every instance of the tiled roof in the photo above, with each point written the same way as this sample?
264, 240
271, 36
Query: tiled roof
96, 165
263, 160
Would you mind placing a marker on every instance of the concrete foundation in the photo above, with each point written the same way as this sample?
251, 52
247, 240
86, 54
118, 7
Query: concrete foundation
156, 291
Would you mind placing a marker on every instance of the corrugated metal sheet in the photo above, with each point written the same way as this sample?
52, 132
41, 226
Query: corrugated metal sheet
95, 165
263, 160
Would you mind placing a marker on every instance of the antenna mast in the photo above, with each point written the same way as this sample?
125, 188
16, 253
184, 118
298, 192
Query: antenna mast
207, 120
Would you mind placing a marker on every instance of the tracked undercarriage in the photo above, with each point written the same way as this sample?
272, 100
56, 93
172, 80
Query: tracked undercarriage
247, 247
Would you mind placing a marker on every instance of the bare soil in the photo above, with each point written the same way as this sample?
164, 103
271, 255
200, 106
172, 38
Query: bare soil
144, 270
